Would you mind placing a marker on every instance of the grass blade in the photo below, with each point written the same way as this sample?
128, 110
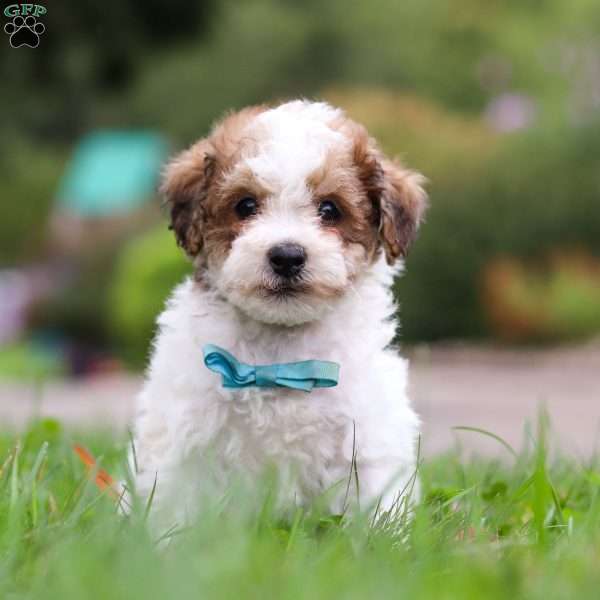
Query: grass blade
489, 434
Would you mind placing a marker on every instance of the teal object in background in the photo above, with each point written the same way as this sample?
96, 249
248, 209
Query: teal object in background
112, 172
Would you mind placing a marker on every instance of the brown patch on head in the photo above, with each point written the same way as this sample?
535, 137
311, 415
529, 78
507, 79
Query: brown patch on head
190, 184
229, 136
397, 198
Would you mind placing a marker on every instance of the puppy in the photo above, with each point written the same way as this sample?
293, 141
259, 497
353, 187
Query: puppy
296, 225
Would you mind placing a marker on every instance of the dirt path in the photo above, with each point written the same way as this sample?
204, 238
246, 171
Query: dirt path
502, 390
494, 389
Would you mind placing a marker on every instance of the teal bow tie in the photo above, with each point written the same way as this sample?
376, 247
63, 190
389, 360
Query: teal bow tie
304, 375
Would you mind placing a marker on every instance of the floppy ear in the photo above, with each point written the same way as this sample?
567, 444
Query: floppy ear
396, 193
402, 205
185, 184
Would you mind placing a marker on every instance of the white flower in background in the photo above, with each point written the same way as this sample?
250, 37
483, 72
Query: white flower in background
510, 112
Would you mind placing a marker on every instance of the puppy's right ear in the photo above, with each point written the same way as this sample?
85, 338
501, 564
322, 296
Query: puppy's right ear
185, 184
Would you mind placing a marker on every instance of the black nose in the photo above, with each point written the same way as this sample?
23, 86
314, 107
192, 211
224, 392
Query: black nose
287, 259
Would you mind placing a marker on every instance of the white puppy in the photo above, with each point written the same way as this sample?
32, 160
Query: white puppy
289, 214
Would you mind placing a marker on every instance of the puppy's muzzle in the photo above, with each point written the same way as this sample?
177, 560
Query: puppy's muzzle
287, 259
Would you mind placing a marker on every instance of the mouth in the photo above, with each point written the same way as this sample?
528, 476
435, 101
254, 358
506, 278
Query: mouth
283, 290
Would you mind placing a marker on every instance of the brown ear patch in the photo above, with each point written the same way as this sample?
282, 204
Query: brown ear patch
186, 181
402, 206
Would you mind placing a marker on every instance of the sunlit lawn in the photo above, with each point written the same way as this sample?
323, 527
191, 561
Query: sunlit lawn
525, 527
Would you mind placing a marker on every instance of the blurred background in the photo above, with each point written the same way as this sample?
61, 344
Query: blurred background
498, 103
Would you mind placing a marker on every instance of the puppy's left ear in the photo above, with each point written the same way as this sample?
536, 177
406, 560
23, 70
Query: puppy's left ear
402, 205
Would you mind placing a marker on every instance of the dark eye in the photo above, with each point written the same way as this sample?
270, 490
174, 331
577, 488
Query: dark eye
329, 212
246, 207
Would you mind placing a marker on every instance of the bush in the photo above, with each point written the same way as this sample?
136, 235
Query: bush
262, 63
550, 301
539, 194
30, 175
147, 269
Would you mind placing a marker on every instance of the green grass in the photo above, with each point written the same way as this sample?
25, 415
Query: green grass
526, 527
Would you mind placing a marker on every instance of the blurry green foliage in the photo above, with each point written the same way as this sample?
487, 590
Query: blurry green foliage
146, 272
539, 192
88, 52
29, 175
550, 300
30, 361
179, 65
458, 54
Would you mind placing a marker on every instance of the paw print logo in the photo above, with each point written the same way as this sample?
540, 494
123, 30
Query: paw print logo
24, 31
